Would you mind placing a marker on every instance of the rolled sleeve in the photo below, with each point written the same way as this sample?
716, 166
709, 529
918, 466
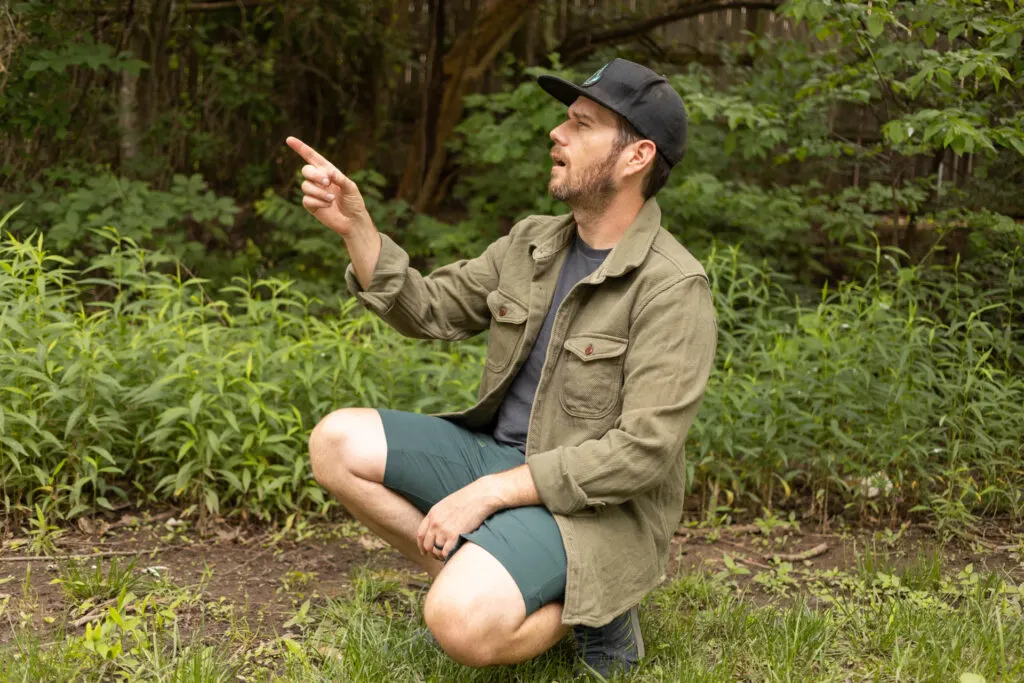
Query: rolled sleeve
388, 278
671, 351
555, 485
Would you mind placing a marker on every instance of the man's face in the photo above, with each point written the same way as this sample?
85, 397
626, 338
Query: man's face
584, 156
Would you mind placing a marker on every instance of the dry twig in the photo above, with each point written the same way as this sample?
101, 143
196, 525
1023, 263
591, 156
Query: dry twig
79, 556
819, 549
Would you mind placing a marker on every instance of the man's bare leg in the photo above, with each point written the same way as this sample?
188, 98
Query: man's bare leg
477, 613
348, 451
474, 607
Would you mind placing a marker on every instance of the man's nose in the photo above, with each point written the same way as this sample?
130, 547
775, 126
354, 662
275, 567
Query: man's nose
557, 135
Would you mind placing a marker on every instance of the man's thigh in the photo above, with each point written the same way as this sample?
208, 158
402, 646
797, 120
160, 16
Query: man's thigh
526, 542
429, 458
474, 585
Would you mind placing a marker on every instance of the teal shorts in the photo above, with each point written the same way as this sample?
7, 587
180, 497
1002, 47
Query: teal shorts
429, 458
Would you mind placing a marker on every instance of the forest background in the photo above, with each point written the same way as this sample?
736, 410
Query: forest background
174, 323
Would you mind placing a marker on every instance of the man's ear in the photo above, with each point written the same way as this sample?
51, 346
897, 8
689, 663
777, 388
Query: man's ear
642, 157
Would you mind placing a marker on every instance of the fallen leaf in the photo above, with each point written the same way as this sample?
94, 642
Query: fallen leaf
92, 527
229, 534
372, 542
328, 652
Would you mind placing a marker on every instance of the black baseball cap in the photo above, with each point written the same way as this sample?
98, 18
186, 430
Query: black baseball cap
636, 93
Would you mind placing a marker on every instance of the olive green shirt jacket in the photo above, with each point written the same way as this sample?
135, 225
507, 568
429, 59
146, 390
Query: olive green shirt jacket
630, 353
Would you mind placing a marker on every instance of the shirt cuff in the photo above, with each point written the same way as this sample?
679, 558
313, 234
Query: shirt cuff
387, 280
557, 489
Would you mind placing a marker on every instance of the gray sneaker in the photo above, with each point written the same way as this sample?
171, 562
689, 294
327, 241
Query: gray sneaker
613, 648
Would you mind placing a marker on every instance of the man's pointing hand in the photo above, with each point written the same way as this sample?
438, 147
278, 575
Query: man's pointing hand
329, 194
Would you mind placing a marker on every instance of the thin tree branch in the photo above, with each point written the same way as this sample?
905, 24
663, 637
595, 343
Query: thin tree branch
224, 4
579, 45
80, 556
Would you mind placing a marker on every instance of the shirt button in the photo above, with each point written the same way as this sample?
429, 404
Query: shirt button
589, 350
501, 311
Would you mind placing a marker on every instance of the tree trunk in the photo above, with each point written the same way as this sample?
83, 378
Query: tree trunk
371, 113
461, 68
128, 93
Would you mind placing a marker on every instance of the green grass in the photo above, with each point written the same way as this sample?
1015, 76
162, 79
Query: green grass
92, 581
868, 625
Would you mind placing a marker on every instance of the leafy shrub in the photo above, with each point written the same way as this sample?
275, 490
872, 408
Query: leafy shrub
126, 381
75, 205
914, 374
129, 381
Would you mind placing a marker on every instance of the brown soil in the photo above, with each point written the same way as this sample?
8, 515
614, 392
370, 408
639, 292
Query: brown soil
265, 575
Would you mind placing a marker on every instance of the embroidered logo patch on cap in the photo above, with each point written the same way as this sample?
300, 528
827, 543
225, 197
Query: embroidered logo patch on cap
596, 77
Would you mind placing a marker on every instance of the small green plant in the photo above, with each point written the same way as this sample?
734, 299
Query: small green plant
731, 569
892, 538
294, 580
779, 581
42, 532
769, 522
84, 580
203, 663
871, 562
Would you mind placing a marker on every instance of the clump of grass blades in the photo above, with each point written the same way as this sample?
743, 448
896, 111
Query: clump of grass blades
86, 580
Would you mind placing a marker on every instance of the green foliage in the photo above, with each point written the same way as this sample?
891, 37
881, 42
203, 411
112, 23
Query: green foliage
914, 373
154, 391
809, 153
51, 70
77, 205
504, 143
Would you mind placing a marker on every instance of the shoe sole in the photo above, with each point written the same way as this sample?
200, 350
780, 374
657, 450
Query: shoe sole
634, 623
634, 626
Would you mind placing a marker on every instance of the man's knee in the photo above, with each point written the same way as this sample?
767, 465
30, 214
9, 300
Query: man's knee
464, 627
347, 442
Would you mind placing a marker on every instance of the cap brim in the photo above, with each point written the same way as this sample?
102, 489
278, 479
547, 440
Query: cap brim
561, 89
567, 92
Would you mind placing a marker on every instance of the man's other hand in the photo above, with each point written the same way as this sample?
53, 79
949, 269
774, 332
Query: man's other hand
329, 194
459, 513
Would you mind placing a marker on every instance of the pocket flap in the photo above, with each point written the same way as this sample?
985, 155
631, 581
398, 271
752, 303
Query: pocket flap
588, 347
506, 309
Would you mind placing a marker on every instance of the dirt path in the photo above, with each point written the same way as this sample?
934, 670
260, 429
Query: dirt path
262, 576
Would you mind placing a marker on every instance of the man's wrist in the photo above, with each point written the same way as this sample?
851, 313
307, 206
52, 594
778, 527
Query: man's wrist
362, 233
511, 488
495, 492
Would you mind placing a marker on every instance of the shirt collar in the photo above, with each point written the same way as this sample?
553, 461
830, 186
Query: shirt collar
629, 252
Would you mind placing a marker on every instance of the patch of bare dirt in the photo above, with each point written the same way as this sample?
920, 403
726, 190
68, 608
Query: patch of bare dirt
262, 575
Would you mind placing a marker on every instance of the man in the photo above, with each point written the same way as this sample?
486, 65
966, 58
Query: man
550, 503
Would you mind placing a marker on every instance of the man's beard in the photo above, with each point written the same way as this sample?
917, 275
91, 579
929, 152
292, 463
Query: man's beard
591, 192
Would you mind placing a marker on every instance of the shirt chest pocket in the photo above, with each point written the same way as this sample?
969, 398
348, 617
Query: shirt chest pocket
592, 376
508, 318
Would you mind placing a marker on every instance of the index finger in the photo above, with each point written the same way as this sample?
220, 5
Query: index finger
306, 152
